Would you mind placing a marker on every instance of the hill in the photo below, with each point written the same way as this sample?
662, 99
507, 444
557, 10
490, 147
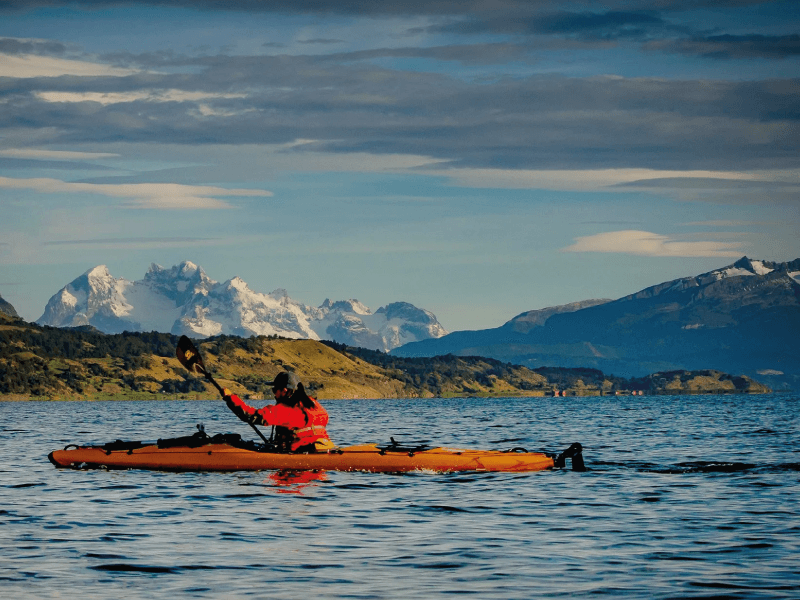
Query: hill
51, 363
744, 318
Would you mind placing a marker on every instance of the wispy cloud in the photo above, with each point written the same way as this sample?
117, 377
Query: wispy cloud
721, 223
732, 46
645, 243
351, 104
141, 195
137, 242
35, 154
30, 66
575, 179
142, 95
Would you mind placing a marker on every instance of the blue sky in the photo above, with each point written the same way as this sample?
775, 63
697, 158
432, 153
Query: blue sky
477, 159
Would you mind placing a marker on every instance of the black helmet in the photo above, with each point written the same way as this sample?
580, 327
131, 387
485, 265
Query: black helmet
285, 380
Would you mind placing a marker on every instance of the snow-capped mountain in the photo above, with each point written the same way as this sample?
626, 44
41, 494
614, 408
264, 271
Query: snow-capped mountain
183, 300
743, 318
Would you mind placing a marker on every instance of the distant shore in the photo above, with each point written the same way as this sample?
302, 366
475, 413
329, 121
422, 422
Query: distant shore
138, 397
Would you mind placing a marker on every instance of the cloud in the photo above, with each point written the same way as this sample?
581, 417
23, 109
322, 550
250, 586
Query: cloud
322, 41
606, 23
645, 243
389, 7
141, 95
732, 46
767, 187
34, 154
140, 195
573, 179
31, 66
31, 46
354, 103
350, 105
722, 223
540, 20
135, 242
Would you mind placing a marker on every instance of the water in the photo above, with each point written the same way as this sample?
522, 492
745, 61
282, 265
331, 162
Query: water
686, 497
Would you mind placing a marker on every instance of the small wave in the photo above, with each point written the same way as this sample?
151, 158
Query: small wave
789, 467
128, 568
763, 431
508, 440
231, 496
713, 467
443, 509
121, 487
686, 468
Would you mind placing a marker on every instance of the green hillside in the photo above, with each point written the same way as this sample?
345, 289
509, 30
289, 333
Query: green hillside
54, 364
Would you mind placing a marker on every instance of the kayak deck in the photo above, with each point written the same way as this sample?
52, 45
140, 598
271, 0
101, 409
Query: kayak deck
229, 453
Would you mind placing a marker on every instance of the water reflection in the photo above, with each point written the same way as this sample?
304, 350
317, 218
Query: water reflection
293, 482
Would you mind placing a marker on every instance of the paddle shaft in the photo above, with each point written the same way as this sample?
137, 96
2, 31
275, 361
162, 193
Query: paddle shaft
222, 393
194, 362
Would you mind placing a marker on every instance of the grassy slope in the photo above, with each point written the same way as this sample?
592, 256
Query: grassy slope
88, 365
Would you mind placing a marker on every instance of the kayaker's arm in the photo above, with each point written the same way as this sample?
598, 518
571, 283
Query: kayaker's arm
240, 408
188, 355
278, 414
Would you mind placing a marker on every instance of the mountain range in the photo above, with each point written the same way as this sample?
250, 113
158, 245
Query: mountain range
743, 318
184, 300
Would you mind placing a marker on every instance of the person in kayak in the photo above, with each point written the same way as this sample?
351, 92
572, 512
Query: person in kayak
299, 420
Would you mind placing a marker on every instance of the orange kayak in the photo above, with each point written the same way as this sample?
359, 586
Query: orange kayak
229, 453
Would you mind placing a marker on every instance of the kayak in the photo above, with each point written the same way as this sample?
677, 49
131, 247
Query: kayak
228, 452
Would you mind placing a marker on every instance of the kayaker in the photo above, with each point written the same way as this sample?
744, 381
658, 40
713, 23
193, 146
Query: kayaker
299, 420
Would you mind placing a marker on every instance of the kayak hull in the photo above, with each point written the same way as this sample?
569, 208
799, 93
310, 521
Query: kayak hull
227, 457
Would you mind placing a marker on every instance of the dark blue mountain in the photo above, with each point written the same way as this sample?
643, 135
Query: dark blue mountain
742, 319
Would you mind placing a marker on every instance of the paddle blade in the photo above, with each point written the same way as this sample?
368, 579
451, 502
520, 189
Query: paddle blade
189, 356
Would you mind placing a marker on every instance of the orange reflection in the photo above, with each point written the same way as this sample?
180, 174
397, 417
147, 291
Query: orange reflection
293, 482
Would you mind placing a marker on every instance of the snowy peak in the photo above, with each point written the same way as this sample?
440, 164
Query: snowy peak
352, 306
96, 293
743, 267
391, 326
406, 311
184, 300
99, 274
725, 281
180, 283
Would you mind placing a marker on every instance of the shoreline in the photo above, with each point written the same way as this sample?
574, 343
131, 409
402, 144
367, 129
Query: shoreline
197, 397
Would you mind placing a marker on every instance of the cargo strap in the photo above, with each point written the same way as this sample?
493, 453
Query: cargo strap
409, 447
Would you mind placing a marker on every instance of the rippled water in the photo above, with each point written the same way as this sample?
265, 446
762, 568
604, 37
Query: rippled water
685, 497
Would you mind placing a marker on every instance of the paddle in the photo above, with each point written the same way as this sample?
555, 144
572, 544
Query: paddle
189, 356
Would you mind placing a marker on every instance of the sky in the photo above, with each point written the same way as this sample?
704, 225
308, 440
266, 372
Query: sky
475, 158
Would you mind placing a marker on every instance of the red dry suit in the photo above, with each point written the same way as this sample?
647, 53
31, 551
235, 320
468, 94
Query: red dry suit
296, 427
